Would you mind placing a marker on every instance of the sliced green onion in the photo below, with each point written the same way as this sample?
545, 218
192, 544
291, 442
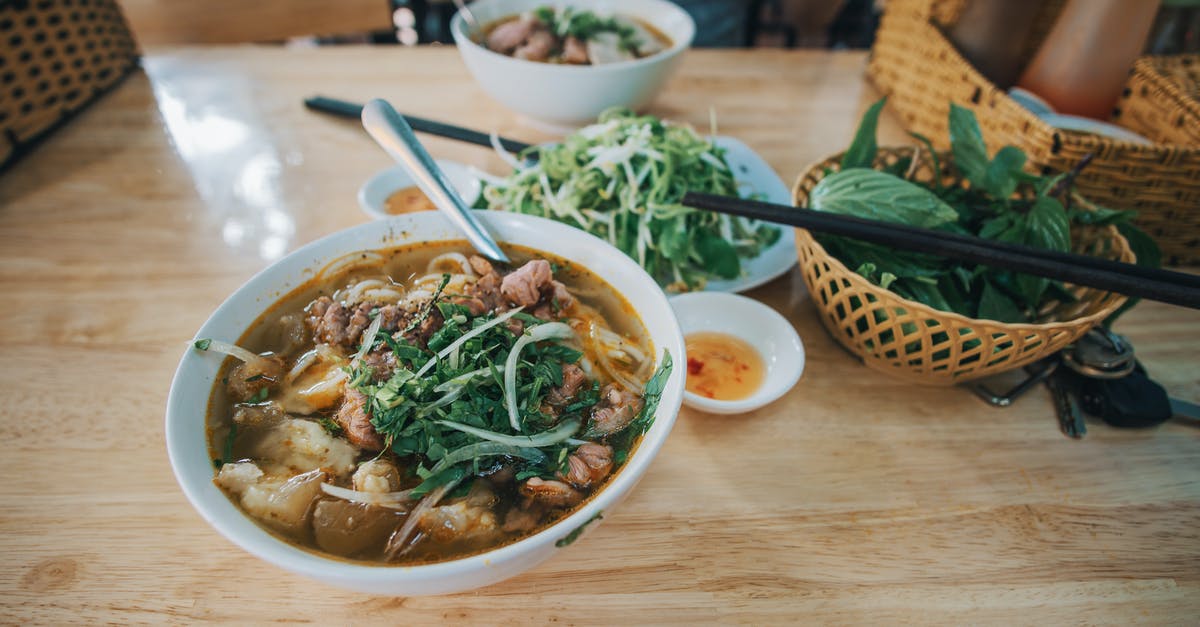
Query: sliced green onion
548, 331
466, 337
368, 338
225, 348
561, 433
479, 450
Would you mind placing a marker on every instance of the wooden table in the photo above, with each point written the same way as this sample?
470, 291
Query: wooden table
856, 498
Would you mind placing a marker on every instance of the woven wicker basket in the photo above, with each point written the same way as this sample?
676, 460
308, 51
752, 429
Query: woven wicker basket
921, 344
922, 72
57, 56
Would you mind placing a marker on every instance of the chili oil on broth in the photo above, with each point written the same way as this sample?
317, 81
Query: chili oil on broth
405, 263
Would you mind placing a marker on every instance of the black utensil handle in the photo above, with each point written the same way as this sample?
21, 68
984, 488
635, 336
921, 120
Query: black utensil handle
346, 109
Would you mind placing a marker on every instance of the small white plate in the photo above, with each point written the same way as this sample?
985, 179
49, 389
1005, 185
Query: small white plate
762, 327
755, 178
374, 193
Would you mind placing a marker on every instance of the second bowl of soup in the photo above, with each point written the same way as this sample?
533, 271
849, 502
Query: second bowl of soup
568, 78
385, 411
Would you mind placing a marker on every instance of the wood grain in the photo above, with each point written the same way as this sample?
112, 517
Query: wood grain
856, 498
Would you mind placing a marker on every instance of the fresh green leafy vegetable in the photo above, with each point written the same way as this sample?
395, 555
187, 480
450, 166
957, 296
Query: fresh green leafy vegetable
621, 179
1000, 201
862, 151
448, 406
876, 195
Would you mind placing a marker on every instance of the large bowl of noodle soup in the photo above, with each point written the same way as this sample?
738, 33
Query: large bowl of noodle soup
203, 406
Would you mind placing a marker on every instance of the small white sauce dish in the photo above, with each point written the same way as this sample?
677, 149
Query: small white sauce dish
755, 323
373, 195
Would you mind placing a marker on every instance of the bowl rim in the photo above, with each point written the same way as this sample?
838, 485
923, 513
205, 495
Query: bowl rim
459, 33
235, 525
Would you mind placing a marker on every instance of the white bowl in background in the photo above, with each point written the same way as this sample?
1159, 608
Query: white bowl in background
568, 95
187, 404
373, 195
762, 327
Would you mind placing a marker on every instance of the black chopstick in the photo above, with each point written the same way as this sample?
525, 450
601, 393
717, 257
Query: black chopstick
433, 127
1165, 286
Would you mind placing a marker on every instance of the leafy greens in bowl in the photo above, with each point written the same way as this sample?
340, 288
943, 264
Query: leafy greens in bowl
998, 201
621, 179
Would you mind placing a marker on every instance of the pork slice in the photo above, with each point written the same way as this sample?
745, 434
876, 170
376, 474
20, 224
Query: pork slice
382, 363
473, 304
573, 379
481, 266
552, 494
538, 47
588, 465
332, 323
523, 286
506, 37
616, 409
352, 417
575, 51
487, 290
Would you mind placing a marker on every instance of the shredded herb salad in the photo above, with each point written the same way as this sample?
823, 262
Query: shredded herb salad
621, 179
477, 393
1001, 202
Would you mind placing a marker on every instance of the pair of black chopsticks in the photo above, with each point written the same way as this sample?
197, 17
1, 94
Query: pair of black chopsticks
1166, 286
346, 109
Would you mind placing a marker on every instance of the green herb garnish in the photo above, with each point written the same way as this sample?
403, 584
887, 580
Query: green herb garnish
1000, 202
622, 178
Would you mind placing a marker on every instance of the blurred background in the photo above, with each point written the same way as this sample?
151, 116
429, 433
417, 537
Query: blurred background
720, 23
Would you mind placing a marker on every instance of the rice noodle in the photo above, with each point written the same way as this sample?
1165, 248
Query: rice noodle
464, 267
370, 290
606, 365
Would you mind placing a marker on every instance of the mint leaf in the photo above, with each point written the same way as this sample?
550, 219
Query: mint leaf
995, 305
1003, 173
718, 256
966, 143
862, 151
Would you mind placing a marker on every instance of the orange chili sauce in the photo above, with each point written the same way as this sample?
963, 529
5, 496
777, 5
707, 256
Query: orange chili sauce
722, 367
407, 200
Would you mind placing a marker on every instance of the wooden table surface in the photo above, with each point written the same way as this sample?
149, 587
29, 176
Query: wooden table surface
856, 498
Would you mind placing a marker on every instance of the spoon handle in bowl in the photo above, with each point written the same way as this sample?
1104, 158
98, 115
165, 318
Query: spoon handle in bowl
390, 130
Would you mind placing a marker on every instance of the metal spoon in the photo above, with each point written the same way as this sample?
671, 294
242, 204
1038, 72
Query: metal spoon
396, 137
475, 29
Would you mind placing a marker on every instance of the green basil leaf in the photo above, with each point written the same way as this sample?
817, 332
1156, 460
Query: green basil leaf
862, 151
1046, 225
718, 256
877, 195
673, 239
966, 143
1001, 177
995, 305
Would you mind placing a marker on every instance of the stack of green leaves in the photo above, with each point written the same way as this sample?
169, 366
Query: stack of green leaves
621, 179
1001, 201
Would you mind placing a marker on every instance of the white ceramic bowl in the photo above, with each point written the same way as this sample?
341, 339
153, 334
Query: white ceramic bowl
373, 195
186, 405
759, 325
569, 95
